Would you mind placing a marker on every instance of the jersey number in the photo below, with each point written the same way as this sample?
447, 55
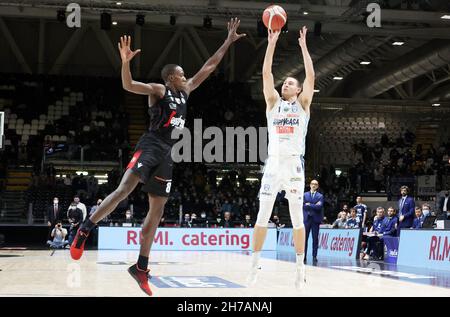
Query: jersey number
169, 184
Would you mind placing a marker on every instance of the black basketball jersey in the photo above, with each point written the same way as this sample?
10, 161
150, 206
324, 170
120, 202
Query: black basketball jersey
167, 114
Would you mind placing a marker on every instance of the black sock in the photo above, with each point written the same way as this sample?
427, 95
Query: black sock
87, 226
142, 262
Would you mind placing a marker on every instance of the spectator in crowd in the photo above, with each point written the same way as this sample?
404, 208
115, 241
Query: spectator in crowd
203, 221
75, 216
444, 204
80, 205
341, 221
67, 180
276, 222
361, 211
194, 221
378, 177
54, 214
58, 236
354, 221
226, 207
129, 219
227, 221
418, 220
94, 208
406, 209
247, 223
426, 211
374, 244
187, 221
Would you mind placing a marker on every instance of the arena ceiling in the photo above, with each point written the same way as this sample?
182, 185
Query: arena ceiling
417, 71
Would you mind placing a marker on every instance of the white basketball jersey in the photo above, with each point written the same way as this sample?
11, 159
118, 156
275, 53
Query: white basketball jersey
287, 125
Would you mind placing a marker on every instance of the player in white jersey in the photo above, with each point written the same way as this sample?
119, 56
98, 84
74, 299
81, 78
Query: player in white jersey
287, 122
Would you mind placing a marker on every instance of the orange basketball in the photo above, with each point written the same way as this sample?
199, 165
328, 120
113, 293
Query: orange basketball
274, 17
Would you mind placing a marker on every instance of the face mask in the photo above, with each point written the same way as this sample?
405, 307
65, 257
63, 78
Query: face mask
426, 212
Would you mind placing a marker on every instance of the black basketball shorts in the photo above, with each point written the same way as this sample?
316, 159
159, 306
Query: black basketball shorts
152, 161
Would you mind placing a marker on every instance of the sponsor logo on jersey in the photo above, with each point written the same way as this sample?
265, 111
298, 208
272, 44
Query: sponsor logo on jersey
286, 121
285, 130
140, 165
177, 123
177, 100
299, 169
266, 187
293, 191
296, 179
294, 109
172, 106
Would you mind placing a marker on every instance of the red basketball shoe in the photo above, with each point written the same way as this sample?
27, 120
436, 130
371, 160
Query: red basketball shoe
77, 246
141, 278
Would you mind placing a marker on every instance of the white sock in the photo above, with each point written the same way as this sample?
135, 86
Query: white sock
255, 258
299, 258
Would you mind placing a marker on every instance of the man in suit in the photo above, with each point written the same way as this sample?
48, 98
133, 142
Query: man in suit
444, 206
406, 209
54, 213
313, 216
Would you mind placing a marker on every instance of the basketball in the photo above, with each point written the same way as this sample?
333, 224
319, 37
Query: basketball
274, 17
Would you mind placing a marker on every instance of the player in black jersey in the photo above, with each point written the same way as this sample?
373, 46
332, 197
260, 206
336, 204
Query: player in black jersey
151, 163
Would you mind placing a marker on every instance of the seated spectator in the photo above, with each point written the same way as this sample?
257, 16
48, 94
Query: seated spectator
227, 221
129, 219
226, 207
58, 236
95, 207
275, 222
354, 220
418, 220
203, 221
341, 221
187, 221
194, 221
374, 244
426, 211
247, 223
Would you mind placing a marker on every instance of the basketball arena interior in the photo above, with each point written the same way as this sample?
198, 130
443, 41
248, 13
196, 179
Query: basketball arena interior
377, 146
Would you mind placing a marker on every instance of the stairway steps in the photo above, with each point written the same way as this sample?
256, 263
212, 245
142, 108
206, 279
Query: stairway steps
19, 174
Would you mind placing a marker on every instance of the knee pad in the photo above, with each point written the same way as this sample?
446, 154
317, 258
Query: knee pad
265, 210
296, 212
